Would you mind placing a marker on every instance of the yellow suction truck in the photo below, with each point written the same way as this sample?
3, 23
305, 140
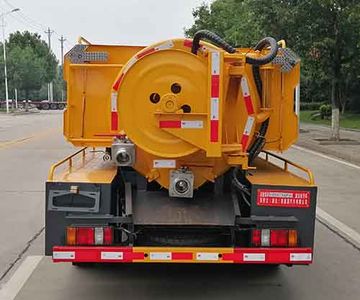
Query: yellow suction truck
176, 159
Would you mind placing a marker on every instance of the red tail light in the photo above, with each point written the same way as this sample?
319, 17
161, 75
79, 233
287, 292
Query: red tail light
108, 235
86, 236
274, 238
256, 237
279, 238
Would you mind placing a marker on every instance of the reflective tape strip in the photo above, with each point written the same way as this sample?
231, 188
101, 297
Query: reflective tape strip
167, 45
247, 131
133, 60
214, 97
246, 95
114, 113
207, 256
64, 255
118, 82
214, 131
112, 255
192, 124
300, 257
181, 124
254, 256
186, 254
188, 43
114, 96
129, 64
164, 163
114, 120
160, 256
214, 109
215, 63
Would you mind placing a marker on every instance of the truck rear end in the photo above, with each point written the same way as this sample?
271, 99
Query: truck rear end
176, 164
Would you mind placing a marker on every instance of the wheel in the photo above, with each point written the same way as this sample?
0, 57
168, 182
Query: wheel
45, 106
61, 106
53, 106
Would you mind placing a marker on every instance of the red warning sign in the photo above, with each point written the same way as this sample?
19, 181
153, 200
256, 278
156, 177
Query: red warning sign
283, 198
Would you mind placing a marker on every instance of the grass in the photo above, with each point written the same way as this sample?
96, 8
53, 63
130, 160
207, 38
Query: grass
348, 120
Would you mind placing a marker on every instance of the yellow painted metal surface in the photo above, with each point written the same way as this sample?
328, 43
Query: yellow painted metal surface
276, 171
85, 166
116, 96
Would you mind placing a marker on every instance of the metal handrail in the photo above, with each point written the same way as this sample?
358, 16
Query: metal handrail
68, 159
288, 162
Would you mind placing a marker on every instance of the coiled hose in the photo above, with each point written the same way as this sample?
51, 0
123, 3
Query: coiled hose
212, 37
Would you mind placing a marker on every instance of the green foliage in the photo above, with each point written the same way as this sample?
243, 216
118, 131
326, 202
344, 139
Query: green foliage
30, 66
325, 111
325, 33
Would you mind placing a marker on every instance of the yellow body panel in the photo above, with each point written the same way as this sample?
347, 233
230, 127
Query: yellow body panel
87, 168
123, 86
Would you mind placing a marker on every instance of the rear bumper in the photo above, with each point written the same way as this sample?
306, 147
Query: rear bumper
296, 256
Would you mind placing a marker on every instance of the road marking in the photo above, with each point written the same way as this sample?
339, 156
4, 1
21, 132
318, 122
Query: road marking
327, 157
10, 290
338, 227
14, 143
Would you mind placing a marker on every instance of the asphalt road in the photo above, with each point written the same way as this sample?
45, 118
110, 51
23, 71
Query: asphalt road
29, 144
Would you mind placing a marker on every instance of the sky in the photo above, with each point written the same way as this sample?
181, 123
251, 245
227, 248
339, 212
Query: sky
131, 22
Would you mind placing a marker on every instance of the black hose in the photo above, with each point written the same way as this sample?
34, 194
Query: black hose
212, 37
268, 41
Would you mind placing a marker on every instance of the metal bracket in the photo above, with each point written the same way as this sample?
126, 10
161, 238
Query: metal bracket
78, 55
287, 59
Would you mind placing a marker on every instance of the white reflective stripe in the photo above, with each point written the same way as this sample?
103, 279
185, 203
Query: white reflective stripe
249, 125
300, 256
164, 163
207, 256
245, 87
114, 101
297, 100
254, 256
214, 109
112, 255
129, 64
215, 63
64, 255
192, 124
160, 255
265, 237
166, 45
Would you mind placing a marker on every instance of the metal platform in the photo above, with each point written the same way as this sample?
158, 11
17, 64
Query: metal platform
157, 208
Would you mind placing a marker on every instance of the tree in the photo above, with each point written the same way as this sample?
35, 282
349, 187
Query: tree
30, 65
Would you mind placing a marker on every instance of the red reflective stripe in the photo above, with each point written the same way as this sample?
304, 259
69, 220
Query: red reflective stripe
237, 255
114, 120
170, 124
215, 88
188, 43
182, 256
244, 141
146, 52
249, 105
118, 82
214, 131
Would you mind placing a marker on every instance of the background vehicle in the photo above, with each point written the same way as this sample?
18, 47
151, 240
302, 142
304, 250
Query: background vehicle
178, 167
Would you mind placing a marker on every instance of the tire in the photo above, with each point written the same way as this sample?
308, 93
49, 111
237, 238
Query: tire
45, 106
61, 106
53, 106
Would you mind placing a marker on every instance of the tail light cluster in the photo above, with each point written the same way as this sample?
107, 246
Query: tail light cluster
85, 236
274, 238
